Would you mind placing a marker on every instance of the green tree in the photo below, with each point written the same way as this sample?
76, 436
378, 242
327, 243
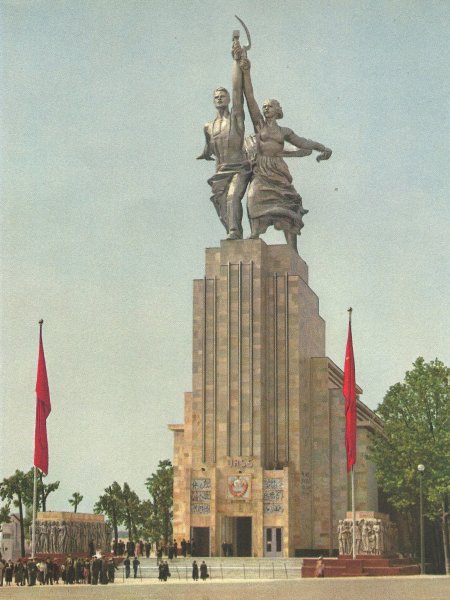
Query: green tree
132, 511
5, 512
160, 487
18, 489
43, 489
111, 504
75, 500
416, 417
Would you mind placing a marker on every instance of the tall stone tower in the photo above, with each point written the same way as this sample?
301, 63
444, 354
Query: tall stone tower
260, 466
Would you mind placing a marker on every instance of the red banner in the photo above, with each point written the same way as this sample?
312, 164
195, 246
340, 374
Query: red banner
43, 408
349, 392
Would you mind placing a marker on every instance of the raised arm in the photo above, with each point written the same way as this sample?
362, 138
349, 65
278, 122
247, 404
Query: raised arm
237, 93
253, 108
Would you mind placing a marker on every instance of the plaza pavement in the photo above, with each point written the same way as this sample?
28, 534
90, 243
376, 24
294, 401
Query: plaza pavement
427, 587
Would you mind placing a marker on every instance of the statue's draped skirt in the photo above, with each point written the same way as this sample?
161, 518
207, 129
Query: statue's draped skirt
272, 199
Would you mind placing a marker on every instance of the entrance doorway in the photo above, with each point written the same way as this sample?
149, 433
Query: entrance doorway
200, 535
273, 541
243, 536
236, 536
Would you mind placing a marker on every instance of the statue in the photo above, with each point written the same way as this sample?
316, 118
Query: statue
225, 141
272, 199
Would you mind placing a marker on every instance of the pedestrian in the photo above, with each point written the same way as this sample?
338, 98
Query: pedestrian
166, 570
49, 573
2, 569
204, 571
111, 570
32, 572
320, 568
9, 570
126, 564
195, 571
183, 547
136, 564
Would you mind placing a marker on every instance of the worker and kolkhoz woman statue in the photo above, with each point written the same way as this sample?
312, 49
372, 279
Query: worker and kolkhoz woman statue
255, 163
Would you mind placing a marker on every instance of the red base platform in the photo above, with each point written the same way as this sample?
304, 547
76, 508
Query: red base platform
361, 566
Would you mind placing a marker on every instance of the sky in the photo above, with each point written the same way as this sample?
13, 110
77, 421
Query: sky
105, 212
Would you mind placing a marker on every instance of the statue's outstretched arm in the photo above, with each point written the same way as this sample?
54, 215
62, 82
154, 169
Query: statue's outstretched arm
307, 145
253, 108
206, 154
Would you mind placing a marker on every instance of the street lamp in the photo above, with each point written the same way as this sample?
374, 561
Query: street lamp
421, 469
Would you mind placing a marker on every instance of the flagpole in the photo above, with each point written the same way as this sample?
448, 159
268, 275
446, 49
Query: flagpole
353, 513
350, 310
33, 531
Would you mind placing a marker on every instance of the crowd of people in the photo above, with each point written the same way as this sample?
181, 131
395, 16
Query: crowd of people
139, 548
31, 572
98, 569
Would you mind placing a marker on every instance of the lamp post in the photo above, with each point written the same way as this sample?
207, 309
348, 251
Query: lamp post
421, 469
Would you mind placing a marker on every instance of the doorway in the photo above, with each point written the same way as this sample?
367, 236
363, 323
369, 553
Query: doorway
273, 541
200, 536
236, 536
243, 536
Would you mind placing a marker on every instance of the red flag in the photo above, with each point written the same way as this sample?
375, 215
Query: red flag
349, 392
43, 408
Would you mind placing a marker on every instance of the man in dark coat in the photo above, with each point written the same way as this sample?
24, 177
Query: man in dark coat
126, 564
136, 564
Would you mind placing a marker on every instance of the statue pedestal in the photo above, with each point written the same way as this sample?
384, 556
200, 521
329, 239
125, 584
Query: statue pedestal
376, 535
71, 533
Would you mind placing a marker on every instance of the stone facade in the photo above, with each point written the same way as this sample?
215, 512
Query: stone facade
259, 462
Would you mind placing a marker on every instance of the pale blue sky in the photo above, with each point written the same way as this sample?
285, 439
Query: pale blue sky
106, 213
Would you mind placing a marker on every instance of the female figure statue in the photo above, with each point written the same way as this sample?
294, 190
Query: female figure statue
272, 199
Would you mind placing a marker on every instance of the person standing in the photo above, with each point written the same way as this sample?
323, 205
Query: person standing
195, 571
126, 564
183, 547
2, 569
136, 564
32, 572
204, 571
95, 570
9, 570
111, 570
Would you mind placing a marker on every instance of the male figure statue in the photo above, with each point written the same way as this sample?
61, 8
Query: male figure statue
225, 140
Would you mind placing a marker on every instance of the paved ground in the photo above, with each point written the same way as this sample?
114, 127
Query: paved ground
425, 587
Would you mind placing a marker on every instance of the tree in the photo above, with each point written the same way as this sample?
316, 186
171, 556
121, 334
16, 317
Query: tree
132, 510
5, 512
111, 504
75, 500
416, 417
18, 489
160, 487
43, 489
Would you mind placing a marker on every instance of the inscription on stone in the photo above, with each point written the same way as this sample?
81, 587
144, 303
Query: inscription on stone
273, 495
273, 508
240, 463
201, 484
200, 509
200, 496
